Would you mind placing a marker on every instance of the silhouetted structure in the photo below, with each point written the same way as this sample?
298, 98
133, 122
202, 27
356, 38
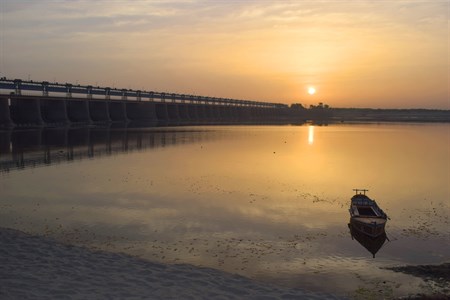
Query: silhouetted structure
54, 104
389, 115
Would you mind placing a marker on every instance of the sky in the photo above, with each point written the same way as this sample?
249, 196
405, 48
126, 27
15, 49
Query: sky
360, 53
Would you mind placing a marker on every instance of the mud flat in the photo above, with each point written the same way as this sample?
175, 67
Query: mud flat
438, 274
35, 267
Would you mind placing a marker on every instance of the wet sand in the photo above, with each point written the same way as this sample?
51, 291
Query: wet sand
35, 267
438, 274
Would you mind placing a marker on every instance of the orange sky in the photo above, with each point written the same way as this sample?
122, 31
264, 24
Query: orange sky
386, 54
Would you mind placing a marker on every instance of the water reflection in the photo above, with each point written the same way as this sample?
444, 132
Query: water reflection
21, 149
372, 244
257, 201
310, 134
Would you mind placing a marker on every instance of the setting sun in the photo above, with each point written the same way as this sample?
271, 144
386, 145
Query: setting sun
311, 90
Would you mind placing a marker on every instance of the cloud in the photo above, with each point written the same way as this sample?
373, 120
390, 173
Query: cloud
236, 42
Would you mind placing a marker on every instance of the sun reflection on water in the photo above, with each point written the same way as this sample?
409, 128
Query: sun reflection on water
310, 134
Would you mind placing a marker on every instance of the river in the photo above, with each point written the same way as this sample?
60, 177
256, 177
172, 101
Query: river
267, 202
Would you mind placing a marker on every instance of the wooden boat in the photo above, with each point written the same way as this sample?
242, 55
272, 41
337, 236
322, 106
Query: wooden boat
365, 215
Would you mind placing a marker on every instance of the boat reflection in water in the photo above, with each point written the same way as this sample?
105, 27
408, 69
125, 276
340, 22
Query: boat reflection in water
372, 244
367, 222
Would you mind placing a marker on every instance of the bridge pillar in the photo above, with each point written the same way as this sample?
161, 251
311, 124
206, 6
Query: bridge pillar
215, 113
54, 111
78, 111
201, 111
246, 115
193, 114
209, 114
221, 115
257, 116
117, 111
253, 112
266, 114
26, 111
173, 114
162, 114
140, 112
231, 114
5, 143
225, 114
237, 114
98, 111
5, 115
184, 114
282, 114
260, 115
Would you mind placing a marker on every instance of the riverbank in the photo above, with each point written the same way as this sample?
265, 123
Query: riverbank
35, 267
437, 274
388, 115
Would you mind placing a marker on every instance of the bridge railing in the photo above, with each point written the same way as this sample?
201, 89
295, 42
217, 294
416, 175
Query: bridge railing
68, 90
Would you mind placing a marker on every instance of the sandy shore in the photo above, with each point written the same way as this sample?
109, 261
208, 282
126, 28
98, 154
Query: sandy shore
35, 267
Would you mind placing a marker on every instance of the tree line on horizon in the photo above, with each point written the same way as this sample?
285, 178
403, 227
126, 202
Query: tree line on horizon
323, 112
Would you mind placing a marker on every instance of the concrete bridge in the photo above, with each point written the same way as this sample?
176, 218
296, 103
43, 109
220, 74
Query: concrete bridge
36, 104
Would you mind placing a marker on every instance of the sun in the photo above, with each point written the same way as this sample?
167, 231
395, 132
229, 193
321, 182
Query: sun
311, 90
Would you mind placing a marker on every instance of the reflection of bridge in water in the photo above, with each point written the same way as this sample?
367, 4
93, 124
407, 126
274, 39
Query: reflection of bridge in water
21, 149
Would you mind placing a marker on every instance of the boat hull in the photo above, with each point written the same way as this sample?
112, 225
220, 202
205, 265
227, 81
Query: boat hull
372, 227
366, 216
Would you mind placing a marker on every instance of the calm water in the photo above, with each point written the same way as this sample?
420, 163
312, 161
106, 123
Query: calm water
267, 202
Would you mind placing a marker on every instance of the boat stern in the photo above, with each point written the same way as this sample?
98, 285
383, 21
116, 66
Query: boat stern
373, 228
